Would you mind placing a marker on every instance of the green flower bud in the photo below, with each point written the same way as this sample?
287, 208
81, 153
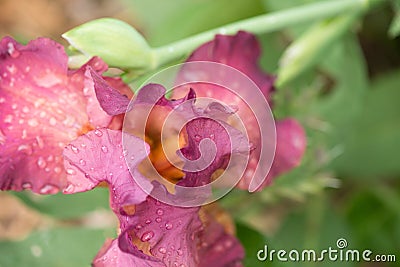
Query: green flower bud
311, 47
115, 41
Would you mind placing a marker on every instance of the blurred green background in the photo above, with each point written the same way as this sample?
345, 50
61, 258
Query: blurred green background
348, 100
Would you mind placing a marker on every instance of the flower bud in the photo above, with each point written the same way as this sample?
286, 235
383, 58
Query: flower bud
115, 41
311, 47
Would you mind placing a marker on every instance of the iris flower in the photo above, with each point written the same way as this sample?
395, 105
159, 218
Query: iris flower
48, 111
153, 233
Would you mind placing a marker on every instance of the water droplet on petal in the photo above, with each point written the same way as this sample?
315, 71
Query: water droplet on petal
162, 250
160, 212
12, 51
71, 171
168, 226
147, 236
197, 137
25, 149
158, 219
82, 162
57, 170
148, 221
98, 132
25, 109
52, 121
2, 138
138, 226
74, 149
27, 185
41, 162
179, 252
70, 188
104, 149
48, 189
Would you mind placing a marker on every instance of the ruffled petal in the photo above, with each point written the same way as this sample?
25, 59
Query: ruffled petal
43, 106
100, 156
110, 99
159, 231
242, 52
110, 255
218, 248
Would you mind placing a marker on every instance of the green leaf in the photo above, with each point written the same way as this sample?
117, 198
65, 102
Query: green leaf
394, 29
311, 47
315, 226
252, 241
66, 206
55, 247
372, 147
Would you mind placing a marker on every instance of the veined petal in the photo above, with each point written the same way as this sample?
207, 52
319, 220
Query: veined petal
242, 52
110, 255
99, 156
43, 106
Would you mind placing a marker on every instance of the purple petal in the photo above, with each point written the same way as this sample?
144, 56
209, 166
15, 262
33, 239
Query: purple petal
43, 106
110, 99
99, 156
240, 51
219, 249
169, 231
111, 256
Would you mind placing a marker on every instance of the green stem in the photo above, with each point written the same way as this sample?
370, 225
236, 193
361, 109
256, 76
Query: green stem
262, 24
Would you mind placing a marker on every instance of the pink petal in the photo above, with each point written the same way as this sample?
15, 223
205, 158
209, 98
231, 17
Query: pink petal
43, 107
105, 155
219, 249
240, 51
170, 231
111, 101
111, 256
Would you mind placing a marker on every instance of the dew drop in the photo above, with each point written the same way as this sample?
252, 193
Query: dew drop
162, 250
52, 121
41, 162
98, 132
147, 236
197, 137
25, 109
148, 221
48, 189
69, 188
71, 171
168, 226
158, 219
104, 149
8, 119
160, 212
82, 162
33, 122
27, 185
25, 149
2, 138
138, 226
12, 51
74, 149
57, 170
